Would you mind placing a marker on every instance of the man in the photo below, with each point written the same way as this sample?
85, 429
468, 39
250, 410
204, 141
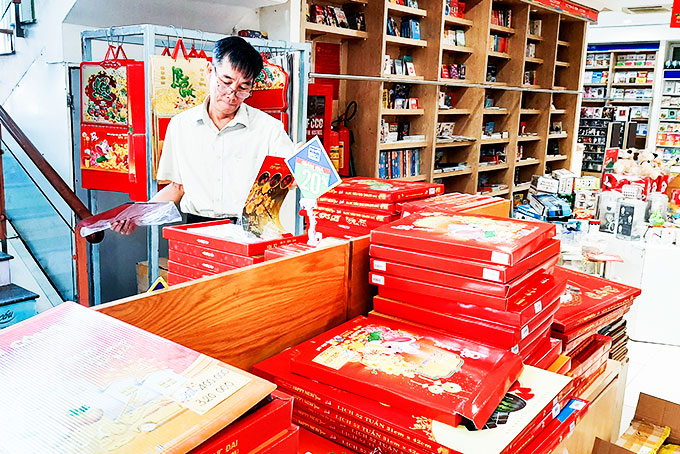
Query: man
212, 152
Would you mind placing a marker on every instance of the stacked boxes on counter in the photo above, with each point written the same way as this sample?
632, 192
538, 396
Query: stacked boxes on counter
436, 367
591, 304
358, 205
209, 248
484, 278
453, 202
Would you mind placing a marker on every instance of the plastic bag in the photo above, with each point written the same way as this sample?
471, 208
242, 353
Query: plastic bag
141, 213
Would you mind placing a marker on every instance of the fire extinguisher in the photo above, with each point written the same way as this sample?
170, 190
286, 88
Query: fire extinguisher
341, 139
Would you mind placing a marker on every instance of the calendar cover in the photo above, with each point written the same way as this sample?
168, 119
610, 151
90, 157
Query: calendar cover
441, 377
376, 189
103, 386
359, 214
451, 203
485, 239
588, 297
366, 206
589, 328
518, 313
465, 267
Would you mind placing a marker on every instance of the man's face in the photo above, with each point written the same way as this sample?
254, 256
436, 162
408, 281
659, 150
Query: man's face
228, 87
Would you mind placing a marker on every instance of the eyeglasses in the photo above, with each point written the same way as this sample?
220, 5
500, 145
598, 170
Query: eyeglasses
225, 89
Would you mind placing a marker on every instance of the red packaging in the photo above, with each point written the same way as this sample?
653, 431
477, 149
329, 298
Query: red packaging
520, 310
365, 410
252, 430
463, 267
558, 429
340, 227
575, 346
363, 206
332, 436
465, 284
188, 271
480, 380
615, 182
339, 210
313, 444
286, 251
210, 266
375, 189
344, 219
561, 365
542, 285
227, 258
534, 341
334, 232
539, 424
546, 355
478, 238
287, 443
183, 233
449, 203
590, 379
599, 347
588, 297
591, 327
468, 328
174, 279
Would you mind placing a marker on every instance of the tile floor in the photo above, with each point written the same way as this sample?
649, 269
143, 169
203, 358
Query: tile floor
653, 369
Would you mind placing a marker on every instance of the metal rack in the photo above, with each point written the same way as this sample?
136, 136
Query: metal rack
153, 38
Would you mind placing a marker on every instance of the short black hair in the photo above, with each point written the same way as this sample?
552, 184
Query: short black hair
242, 56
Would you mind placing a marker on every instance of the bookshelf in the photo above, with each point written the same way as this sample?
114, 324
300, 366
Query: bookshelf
471, 86
618, 85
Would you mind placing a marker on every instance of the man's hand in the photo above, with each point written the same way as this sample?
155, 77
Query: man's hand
126, 227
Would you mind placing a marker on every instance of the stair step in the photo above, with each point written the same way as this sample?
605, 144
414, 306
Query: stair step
16, 304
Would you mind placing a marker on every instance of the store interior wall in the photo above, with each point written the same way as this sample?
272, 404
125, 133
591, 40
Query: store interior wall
35, 84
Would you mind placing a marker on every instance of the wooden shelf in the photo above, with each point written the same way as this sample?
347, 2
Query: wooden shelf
632, 101
558, 136
402, 144
530, 111
521, 187
454, 48
403, 112
531, 37
458, 21
489, 168
454, 173
462, 143
531, 86
632, 85
499, 55
415, 178
494, 141
399, 41
595, 68
559, 87
502, 111
558, 111
454, 111
559, 157
401, 10
538, 61
528, 138
527, 162
562, 64
501, 29
497, 192
562, 43
495, 84
594, 99
405, 78
320, 29
594, 85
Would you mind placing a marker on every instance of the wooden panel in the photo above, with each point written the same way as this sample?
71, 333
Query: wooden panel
361, 292
250, 314
500, 209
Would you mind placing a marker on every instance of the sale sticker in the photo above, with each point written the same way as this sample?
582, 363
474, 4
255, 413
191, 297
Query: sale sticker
209, 388
313, 170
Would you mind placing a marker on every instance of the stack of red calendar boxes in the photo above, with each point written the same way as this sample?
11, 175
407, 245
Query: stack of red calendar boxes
483, 278
195, 254
358, 205
452, 202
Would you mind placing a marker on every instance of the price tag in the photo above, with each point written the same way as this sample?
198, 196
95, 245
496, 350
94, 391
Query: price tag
525, 332
209, 388
538, 307
313, 171
377, 279
379, 265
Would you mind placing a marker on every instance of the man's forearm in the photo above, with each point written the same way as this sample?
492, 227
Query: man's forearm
171, 193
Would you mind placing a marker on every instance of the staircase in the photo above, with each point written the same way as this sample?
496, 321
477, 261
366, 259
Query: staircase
16, 303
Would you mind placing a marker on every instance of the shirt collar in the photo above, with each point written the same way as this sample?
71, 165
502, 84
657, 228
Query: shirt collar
242, 115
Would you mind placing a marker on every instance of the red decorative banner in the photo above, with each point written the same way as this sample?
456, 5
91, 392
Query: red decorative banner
565, 6
675, 15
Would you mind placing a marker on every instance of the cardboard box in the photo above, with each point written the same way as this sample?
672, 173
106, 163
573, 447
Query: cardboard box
544, 184
143, 273
649, 409
565, 179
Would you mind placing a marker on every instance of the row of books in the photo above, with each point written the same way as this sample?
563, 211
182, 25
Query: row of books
597, 59
409, 28
403, 66
596, 77
399, 164
632, 93
455, 37
454, 71
455, 8
536, 27
501, 16
641, 59
670, 101
498, 43
671, 87
335, 16
633, 77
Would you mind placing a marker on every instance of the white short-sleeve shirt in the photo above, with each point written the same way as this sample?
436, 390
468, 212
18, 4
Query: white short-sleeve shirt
217, 168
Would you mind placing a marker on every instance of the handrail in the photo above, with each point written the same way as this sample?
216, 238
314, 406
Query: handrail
45, 168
